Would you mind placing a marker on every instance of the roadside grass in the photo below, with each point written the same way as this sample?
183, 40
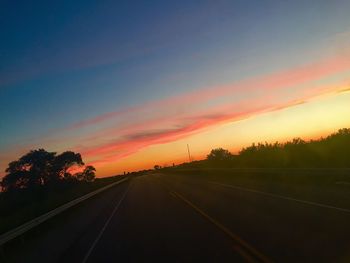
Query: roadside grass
17, 209
326, 186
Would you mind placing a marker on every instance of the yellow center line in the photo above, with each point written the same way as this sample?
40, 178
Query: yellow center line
243, 254
233, 236
172, 194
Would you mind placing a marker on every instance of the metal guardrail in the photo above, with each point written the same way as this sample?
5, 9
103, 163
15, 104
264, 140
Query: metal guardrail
4, 238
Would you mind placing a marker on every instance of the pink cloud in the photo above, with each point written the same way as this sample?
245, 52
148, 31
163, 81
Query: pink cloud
137, 139
165, 123
125, 132
266, 83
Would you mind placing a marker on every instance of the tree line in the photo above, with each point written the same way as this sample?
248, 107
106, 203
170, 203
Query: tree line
331, 151
40, 168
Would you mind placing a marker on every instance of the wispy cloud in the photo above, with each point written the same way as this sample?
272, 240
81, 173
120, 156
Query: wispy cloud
263, 84
137, 139
112, 136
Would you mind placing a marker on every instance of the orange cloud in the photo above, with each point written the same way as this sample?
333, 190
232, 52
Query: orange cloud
122, 133
266, 83
132, 129
137, 139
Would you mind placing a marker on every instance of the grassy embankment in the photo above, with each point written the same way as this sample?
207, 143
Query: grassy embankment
326, 186
317, 170
20, 207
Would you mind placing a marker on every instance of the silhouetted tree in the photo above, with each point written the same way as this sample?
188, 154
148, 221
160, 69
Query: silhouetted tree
88, 175
30, 171
63, 162
219, 154
39, 168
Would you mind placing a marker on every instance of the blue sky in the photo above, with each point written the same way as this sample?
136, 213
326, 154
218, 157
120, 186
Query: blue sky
62, 62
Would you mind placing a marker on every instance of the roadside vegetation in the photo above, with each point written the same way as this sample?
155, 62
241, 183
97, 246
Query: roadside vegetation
332, 151
40, 181
315, 170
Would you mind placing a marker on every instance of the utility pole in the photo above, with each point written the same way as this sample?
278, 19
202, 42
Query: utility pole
189, 155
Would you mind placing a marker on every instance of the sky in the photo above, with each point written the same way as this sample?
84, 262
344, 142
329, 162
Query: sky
129, 84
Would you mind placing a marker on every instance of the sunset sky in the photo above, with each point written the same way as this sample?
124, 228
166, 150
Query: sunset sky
129, 84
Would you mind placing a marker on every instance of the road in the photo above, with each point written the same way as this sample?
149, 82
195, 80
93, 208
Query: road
177, 218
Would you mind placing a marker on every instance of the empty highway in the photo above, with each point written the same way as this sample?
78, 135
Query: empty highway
179, 218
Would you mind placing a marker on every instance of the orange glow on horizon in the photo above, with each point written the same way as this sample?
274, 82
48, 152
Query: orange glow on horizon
133, 138
311, 120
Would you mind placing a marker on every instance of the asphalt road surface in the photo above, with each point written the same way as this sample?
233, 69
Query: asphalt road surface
177, 218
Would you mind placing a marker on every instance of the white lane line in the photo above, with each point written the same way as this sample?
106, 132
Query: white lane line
284, 197
105, 226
